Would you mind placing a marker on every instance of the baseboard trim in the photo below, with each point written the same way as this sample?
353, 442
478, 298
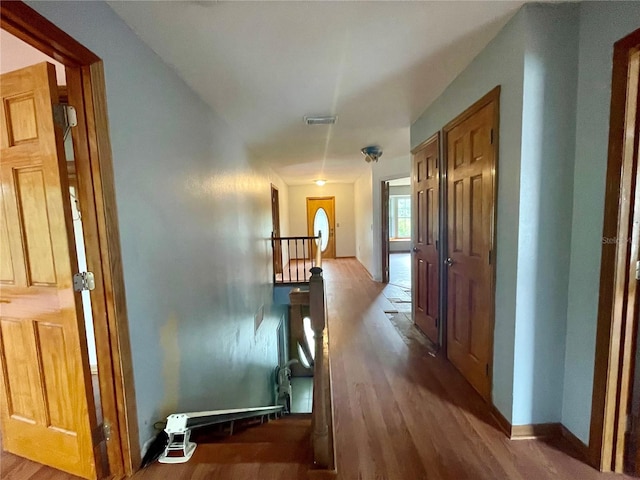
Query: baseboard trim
526, 432
577, 444
536, 430
542, 430
503, 423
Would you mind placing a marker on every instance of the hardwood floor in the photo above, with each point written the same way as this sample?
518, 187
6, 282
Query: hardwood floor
400, 270
399, 412
403, 414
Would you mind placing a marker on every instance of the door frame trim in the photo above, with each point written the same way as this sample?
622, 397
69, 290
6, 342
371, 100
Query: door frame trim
492, 96
94, 166
614, 350
276, 247
385, 245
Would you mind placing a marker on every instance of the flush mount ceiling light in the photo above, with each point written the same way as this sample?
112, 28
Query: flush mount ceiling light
372, 153
320, 182
320, 119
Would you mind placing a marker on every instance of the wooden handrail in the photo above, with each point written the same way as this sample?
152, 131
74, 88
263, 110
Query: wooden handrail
294, 238
323, 435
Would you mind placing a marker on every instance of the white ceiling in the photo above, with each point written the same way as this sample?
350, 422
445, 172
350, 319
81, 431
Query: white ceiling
263, 66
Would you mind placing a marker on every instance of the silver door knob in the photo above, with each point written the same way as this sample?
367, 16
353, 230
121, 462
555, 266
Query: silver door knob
448, 262
415, 249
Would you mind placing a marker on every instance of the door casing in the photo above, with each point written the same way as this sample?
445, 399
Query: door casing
275, 232
96, 191
615, 338
492, 97
384, 208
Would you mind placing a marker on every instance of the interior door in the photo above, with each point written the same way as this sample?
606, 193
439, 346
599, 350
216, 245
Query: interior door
426, 271
321, 217
470, 190
275, 216
47, 409
385, 231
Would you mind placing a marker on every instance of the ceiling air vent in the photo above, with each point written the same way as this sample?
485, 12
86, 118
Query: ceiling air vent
320, 120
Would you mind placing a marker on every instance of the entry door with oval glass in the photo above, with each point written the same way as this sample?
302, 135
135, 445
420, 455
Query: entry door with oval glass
321, 218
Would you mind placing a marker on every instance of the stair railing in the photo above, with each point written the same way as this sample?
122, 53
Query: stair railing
322, 415
294, 256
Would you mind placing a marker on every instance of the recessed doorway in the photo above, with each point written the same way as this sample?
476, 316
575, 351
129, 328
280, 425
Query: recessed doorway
398, 234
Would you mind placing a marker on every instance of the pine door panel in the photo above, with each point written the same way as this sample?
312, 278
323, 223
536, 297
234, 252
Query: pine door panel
426, 270
47, 411
471, 157
328, 204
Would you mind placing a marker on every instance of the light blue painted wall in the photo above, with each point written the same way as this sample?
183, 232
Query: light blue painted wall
500, 63
554, 65
546, 186
601, 25
195, 220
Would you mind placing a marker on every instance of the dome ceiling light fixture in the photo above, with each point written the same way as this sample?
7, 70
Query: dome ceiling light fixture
372, 153
320, 182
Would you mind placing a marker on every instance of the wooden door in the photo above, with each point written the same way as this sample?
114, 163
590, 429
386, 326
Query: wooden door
47, 409
275, 217
470, 212
384, 205
426, 270
321, 216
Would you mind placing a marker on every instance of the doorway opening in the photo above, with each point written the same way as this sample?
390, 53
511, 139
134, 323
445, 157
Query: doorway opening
275, 230
84, 183
398, 238
17, 54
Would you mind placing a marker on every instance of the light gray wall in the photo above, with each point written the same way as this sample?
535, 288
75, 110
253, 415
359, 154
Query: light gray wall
546, 185
363, 213
500, 63
601, 25
195, 219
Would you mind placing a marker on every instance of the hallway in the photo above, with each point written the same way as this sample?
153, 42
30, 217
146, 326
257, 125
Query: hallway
399, 413
402, 414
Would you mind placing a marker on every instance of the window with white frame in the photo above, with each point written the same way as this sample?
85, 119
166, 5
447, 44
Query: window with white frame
399, 217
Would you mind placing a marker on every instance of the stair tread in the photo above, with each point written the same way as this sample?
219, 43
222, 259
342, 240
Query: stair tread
287, 441
284, 431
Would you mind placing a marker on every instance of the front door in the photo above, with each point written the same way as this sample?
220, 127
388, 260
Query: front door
426, 271
470, 189
321, 218
47, 411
